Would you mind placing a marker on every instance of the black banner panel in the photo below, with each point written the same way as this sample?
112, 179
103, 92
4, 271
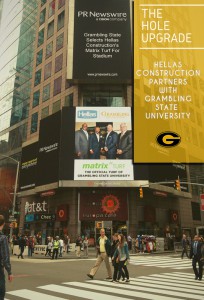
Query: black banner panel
67, 146
48, 155
102, 41
28, 167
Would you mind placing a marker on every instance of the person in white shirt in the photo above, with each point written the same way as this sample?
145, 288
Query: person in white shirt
61, 246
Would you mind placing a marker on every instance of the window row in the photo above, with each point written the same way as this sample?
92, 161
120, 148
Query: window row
57, 83
49, 49
51, 10
50, 29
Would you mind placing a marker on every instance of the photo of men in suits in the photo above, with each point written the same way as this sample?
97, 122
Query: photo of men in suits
82, 142
124, 144
111, 140
95, 144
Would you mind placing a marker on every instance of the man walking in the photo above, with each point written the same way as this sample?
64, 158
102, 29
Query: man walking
184, 243
4, 260
196, 256
104, 250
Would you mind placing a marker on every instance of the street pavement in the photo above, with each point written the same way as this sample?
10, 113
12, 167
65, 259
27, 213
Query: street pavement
154, 277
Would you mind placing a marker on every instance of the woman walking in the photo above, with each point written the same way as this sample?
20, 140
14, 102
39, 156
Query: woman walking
122, 256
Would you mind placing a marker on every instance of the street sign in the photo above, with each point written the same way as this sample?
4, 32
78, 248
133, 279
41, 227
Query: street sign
12, 219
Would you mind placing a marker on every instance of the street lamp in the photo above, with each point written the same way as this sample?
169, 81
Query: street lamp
15, 189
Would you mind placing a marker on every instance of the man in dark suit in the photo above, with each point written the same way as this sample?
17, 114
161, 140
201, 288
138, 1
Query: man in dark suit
111, 142
196, 255
95, 144
124, 150
82, 142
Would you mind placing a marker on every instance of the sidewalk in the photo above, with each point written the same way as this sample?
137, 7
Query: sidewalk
92, 255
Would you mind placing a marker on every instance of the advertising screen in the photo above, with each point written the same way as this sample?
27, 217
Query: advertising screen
48, 153
28, 167
101, 38
103, 143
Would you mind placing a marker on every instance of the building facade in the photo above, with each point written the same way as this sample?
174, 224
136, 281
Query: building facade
43, 83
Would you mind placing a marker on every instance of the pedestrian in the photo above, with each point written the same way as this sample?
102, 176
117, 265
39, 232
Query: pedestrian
103, 245
49, 246
61, 246
129, 241
196, 255
31, 246
78, 246
22, 245
184, 243
85, 246
114, 259
122, 257
4, 260
55, 247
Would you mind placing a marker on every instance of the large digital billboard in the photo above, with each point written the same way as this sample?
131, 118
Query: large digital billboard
48, 152
98, 39
96, 145
28, 167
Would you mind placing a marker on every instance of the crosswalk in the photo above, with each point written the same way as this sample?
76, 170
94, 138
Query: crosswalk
162, 262
164, 286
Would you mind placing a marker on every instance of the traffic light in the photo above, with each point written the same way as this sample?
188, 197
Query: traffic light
141, 192
177, 185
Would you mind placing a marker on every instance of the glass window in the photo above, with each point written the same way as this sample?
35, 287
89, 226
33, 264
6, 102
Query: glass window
36, 98
51, 8
46, 92
67, 84
58, 63
40, 37
39, 57
45, 112
49, 48
60, 22
56, 106
57, 85
50, 29
59, 41
37, 77
42, 16
43, 2
47, 71
34, 123
61, 3
69, 100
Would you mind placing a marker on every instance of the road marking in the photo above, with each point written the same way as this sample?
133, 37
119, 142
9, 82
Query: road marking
80, 293
164, 286
169, 262
163, 291
168, 281
31, 295
124, 289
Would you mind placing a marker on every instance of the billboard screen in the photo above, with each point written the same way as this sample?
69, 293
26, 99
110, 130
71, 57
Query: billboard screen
101, 38
96, 147
48, 153
28, 167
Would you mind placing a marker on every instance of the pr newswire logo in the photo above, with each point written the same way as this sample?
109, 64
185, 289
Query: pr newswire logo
168, 139
95, 14
87, 114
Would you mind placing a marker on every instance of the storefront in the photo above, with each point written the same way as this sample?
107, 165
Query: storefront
103, 209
